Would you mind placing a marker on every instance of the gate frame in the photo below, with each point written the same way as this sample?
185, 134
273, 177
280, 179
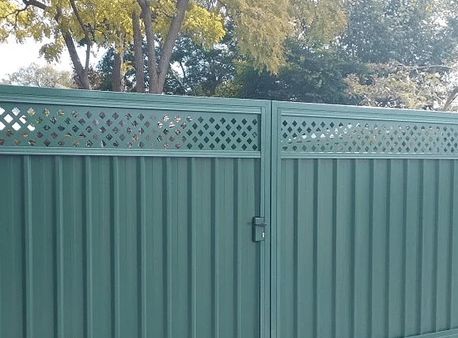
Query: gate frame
165, 103
317, 110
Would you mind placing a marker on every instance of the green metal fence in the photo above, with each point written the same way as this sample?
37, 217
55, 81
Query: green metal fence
366, 215
129, 215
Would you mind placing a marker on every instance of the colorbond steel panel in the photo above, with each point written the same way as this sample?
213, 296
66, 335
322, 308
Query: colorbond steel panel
125, 215
128, 247
128, 215
368, 248
366, 223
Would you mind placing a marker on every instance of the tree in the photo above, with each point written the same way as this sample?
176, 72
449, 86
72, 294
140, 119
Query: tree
395, 85
406, 31
35, 75
408, 46
195, 70
198, 71
312, 73
67, 22
106, 68
260, 26
89, 23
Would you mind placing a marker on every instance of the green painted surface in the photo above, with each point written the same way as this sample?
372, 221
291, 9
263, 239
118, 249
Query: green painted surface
129, 247
375, 239
128, 215
366, 223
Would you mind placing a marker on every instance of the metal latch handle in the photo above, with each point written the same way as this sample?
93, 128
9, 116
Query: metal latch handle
259, 229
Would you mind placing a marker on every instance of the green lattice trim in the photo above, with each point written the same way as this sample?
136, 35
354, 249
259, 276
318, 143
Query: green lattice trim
356, 136
51, 126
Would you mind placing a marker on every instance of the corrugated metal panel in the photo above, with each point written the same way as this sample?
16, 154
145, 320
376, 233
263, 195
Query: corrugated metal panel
367, 248
128, 247
127, 215
130, 216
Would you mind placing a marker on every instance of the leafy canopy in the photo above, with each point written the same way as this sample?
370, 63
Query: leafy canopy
40, 76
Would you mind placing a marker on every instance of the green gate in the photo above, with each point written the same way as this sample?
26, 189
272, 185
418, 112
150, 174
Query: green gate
366, 210
129, 215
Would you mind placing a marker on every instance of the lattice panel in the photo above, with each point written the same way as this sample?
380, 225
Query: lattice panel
103, 128
326, 135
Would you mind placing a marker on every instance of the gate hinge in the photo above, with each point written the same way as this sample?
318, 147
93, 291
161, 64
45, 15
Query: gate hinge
259, 232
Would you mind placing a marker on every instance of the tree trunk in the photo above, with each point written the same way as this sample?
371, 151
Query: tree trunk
84, 78
82, 74
151, 52
116, 76
138, 55
172, 35
451, 97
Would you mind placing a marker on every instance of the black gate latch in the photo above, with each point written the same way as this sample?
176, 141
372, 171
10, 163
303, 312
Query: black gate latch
259, 233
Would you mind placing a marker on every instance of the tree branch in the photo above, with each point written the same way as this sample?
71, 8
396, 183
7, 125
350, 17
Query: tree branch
172, 35
86, 33
116, 75
151, 52
138, 54
16, 13
82, 73
451, 97
183, 70
35, 4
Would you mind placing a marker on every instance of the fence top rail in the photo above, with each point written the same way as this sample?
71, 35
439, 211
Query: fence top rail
88, 98
359, 112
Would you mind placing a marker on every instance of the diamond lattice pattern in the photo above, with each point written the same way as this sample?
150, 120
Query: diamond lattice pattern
125, 129
327, 135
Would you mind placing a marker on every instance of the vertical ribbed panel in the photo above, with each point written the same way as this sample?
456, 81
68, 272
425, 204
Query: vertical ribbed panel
454, 246
128, 247
367, 247
70, 263
12, 259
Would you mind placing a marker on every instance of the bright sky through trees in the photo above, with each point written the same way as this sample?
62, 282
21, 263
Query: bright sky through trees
16, 55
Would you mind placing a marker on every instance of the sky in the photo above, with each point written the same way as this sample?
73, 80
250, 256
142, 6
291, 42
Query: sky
14, 56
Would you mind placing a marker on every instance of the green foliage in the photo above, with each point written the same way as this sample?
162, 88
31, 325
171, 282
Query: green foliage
409, 46
195, 70
397, 86
105, 70
261, 27
318, 20
407, 31
311, 74
198, 71
37, 76
21, 22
